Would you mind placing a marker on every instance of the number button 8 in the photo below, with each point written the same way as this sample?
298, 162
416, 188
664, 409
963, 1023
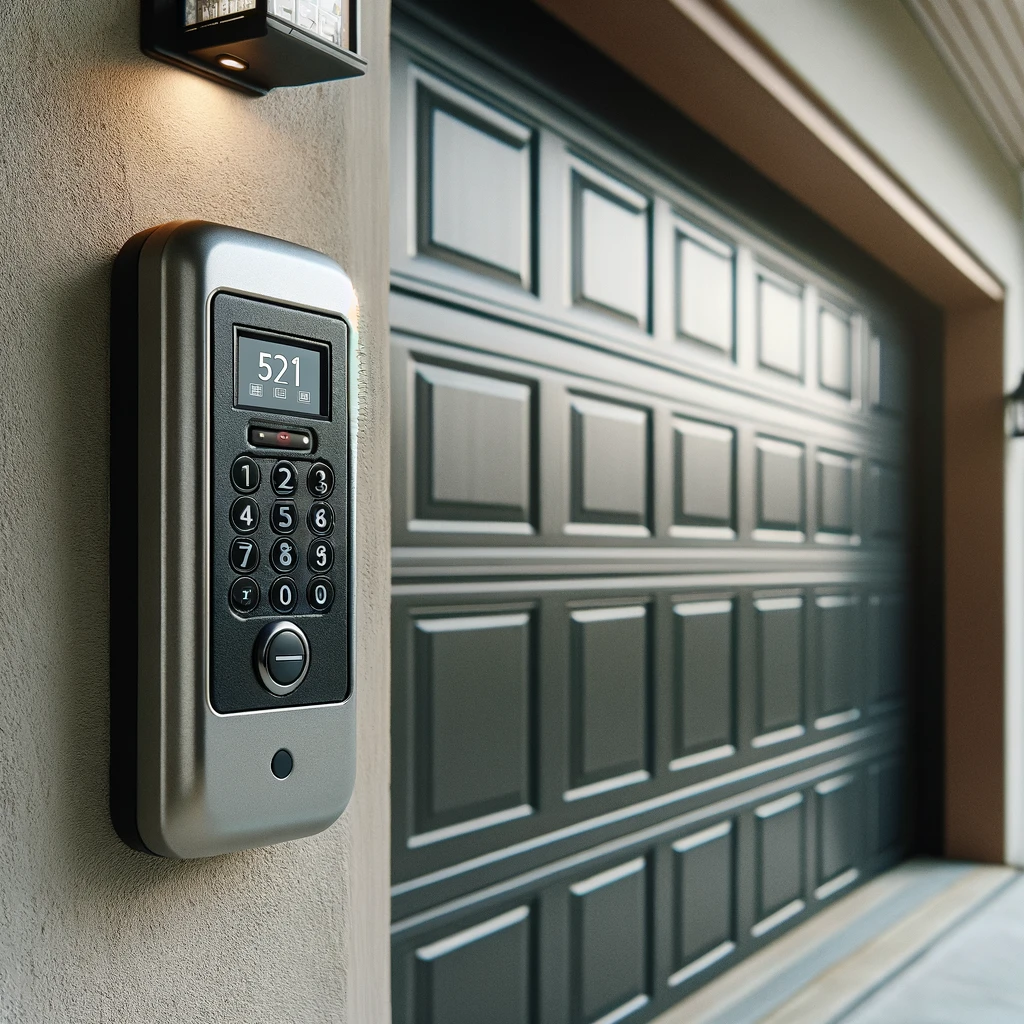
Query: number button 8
282, 555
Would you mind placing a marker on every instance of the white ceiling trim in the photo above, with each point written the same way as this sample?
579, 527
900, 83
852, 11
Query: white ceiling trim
982, 43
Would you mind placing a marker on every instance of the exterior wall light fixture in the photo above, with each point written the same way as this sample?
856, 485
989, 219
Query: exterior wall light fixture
256, 45
1015, 409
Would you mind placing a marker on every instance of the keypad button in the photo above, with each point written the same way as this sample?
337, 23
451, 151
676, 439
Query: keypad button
245, 515
321, 517
244, 554
321, 556
284, 479
283, 517
244, 595
283, 594
281, 658
245, 475
320, 594
283, 556
320, 480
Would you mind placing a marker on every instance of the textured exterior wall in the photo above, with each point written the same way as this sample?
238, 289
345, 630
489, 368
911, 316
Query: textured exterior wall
96, 142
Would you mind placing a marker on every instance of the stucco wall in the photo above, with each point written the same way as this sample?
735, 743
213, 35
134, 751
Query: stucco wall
96, 142
870, 61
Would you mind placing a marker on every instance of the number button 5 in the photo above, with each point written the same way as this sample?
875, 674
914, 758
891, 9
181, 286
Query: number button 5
283, 516
284, 479
245, 515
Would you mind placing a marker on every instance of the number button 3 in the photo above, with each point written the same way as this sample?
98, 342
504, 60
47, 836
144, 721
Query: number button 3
244, 555
320, 480
245, 515
284, 479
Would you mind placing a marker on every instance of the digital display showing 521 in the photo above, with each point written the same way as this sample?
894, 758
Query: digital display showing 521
282, 377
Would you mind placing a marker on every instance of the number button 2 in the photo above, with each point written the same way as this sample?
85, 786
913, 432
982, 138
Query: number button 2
245, 515
284, 479
321, 517
321, 556
320, 480
245, 475
244, 554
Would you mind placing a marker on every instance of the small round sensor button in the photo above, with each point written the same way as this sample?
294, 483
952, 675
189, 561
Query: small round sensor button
281, 764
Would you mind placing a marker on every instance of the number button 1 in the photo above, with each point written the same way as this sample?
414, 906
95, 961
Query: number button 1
284, 479
244, 554
320, 480
245, 515
245, 475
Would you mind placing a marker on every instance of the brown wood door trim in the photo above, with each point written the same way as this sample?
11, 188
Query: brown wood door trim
707, 66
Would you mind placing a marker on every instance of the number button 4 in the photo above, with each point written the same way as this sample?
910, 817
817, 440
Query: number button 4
284, 479
245, 515
244, 554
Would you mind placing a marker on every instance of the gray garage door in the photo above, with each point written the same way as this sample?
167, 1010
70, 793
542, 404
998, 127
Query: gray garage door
648, 567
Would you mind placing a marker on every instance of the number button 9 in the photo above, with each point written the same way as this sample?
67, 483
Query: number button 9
245, 515
320, 480
321, 517
321, 556
245, 475
284, 479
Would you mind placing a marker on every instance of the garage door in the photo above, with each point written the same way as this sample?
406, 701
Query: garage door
648, 566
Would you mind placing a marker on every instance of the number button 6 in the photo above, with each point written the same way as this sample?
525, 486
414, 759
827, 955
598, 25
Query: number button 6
321, 517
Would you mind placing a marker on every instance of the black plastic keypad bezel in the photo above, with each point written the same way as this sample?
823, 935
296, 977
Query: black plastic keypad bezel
234, 682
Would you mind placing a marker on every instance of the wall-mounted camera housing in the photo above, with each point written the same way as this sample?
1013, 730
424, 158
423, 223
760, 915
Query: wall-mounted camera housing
256, 45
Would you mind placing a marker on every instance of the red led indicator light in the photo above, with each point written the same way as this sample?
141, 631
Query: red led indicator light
284, 437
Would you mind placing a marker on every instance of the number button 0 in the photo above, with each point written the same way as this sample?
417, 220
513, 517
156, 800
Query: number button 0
284, 479
245, 515
320, 594
283, 516
245, 475
320, 480
282, 555
283, 594
321, 556
321, 517
244, 595
244, 555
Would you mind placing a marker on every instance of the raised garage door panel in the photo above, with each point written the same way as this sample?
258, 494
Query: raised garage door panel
649, 612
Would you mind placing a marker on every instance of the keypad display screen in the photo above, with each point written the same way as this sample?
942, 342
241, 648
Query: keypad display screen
281, 376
